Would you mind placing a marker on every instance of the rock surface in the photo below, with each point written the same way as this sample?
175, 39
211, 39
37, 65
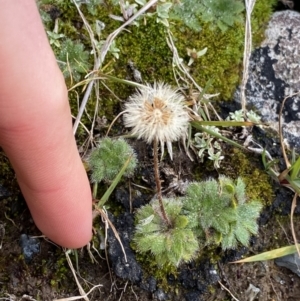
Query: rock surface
30, 247
274, 73
291, 262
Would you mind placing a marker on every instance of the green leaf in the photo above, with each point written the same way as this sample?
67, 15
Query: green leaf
170, 244
276, 253
295, 170
198, 125
107, 159
181, 221
113, 185
208, 205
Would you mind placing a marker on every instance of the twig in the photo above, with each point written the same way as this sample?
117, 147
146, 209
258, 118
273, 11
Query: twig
123, 291
105, 217
226, 289
136, 297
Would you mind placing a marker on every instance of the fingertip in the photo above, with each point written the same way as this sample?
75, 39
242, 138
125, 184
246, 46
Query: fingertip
78, 237
64, 216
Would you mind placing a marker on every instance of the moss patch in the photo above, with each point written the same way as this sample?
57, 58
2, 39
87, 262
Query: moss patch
147, 48
258, 182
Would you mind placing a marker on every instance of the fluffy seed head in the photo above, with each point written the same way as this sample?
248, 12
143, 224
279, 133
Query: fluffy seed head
157, 112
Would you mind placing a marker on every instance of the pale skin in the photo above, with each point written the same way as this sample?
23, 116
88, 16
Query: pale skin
36, 128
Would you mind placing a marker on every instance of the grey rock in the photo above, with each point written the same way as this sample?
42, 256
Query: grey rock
149, 284
274, 73
251, 292
291, 262
30, 246
160, 295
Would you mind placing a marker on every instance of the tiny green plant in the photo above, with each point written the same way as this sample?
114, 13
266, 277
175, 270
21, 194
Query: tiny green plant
220, 211
219, 13
73, 59
107, 159
222, 13
194, 54
54, 38
240, 116
290, 177
206, 143
187, 12
170, 243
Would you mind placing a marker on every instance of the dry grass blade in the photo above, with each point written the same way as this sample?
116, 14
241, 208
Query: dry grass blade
83, 295
84, 127
105, 217
247, 51
112, 123
288, 165
270, 254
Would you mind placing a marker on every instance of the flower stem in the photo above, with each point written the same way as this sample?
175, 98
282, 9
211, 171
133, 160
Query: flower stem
158, 184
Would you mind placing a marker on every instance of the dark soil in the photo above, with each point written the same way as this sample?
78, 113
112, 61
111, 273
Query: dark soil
42, 272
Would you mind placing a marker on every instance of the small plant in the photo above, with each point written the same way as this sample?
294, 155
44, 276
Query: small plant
187, 12
169, 243
219, 13
54, 38
73, 59
206, 143
194, 54
108, 158
240, 116
221, 212
158, 114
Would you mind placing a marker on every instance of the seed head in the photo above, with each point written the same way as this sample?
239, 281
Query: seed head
157, 112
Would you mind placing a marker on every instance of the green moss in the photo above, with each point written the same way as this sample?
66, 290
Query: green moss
62, 271
147, 48
261, 14
258, 183
221, 63
160, 274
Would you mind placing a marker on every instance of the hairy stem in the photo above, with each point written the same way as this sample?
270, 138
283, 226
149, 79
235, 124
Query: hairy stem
158, 184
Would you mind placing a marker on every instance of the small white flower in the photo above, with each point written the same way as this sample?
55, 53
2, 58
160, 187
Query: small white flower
157, 112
